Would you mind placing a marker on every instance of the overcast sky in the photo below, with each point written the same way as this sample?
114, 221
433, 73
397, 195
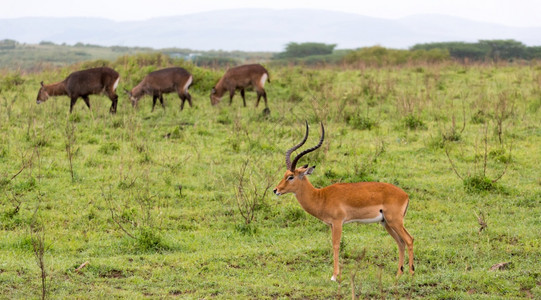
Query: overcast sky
518, 13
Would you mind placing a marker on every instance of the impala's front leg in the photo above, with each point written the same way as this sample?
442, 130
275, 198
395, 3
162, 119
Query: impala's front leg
336, 228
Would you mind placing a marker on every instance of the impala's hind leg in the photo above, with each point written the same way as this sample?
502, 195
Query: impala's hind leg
410, 251
404, 235
401, 248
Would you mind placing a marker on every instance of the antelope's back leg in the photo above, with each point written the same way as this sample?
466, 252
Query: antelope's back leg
161, 101
261, 93
72, 103
243, 97
231, 94
154, 98
400, 230
87, 101
401, 248
114, 99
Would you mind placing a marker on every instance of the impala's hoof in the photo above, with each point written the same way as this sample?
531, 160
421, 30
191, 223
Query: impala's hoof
333, 278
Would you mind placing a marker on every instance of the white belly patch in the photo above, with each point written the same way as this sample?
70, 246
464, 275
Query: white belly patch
379, 218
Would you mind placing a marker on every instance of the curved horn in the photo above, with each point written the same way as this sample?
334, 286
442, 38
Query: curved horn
294, 163
288, 153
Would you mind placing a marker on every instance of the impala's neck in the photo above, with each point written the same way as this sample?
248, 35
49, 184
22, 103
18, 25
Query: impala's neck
56, 89
309, 197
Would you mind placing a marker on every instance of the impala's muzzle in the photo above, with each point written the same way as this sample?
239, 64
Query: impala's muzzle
276, 192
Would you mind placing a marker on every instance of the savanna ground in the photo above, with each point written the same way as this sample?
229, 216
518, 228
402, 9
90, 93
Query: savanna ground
151, 201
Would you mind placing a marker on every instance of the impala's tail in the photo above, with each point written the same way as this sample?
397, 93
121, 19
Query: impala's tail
406, 209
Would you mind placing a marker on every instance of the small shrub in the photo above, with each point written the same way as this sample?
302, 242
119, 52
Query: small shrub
451, 135
361, 123
479, 183
479, 117
148, 239
500, 155
412, 122
108, 148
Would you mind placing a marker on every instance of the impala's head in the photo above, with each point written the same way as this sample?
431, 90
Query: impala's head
293, 180
214, 98
294, 177
42, 94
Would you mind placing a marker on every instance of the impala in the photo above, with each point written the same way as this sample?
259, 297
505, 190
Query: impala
340, 203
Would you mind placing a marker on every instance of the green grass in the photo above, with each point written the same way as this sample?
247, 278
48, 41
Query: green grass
169, 178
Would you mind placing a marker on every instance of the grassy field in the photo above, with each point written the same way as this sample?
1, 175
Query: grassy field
151, 200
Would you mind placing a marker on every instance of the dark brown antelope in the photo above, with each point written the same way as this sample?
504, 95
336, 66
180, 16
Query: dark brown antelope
162, 82
82, 84
340, 203
240, 78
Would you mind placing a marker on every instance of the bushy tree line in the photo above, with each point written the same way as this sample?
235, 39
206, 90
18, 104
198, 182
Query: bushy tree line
7, 44
296, 50
380, 56
485, 50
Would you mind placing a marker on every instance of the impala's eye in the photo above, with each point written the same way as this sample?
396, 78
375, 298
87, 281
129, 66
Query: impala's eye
290, 178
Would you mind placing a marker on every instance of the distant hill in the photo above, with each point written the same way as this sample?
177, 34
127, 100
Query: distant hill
261, 30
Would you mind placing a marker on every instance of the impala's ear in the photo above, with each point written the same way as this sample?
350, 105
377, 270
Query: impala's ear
305, 166
308, 171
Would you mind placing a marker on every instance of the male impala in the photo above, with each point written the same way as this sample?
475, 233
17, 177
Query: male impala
340, 203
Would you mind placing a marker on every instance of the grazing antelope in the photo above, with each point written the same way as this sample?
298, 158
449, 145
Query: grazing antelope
239, 78
82, 84
340, 203
162, 82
